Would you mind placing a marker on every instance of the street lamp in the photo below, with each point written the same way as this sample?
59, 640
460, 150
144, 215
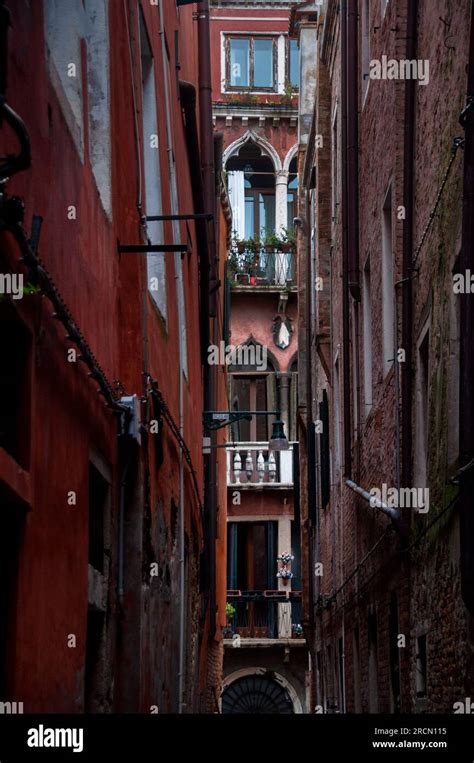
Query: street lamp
278, 440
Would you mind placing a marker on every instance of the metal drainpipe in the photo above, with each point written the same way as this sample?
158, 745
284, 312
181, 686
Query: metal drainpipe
409, 134
208, 173
352, 91
390, 511
466, 376
177, 265
346, 371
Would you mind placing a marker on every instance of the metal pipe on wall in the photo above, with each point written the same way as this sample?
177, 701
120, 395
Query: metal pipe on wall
346, 373
210, 285
352, 94
177, 265
466, 375
407, 309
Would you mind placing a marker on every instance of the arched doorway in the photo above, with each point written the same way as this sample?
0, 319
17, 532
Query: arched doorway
256, 695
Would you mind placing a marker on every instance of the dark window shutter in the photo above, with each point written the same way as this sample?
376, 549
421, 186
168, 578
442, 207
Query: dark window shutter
324, 450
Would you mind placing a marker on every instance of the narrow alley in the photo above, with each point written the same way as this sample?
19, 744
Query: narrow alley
236, 341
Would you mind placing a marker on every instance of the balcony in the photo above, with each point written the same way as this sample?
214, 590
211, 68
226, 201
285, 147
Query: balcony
265, 269
252, 465
265, 615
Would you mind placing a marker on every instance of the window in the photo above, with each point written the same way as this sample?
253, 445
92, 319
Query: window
251, 63
294, 64
365, 57
156, 265
337, 417
251, 567
422, 387
324, 450
15, 380
453, 378
98, 506
13, 523
387, 285
250, 394
293, 407
334, 167
367, 317
259, 212
292, 193
77, 39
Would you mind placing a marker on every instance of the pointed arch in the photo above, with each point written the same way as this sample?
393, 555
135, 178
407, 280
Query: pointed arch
271, 358
289, 157
266, 148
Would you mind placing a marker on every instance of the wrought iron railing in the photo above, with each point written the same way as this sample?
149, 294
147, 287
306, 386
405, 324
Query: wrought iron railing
264, 267
265, 614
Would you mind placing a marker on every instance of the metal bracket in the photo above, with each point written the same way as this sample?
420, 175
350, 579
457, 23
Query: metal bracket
218, 419
194, 216
139, 248
131, 417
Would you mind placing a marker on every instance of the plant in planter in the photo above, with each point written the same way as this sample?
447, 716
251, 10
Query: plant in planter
285, 558
232, 264
230, 611
227, 630
288, 240
297, 630
290, 92
271, 241
284, 563
247, 245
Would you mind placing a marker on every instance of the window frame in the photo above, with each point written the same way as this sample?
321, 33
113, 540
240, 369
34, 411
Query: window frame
251, 87
255, 193
289, 40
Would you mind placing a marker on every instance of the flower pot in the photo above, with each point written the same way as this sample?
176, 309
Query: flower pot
243, 278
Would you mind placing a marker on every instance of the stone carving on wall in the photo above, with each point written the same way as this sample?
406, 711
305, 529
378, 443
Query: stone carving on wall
282, 331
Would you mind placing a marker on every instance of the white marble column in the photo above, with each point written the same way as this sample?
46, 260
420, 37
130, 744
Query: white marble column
281, 201
281, 222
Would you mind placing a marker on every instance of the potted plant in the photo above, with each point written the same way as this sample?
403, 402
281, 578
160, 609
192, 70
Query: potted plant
297, 630
284, 563
228, 631
288, 241
290, 92
271, 241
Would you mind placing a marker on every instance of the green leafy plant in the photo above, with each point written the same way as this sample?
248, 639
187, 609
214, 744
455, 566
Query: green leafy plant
271, 239
290, 92
289, 236
230, 611
243, 98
